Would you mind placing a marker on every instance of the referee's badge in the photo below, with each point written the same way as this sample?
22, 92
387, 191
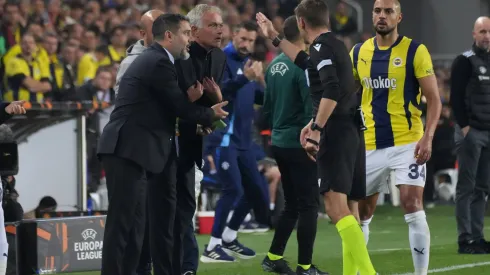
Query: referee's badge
397, 62
483, 70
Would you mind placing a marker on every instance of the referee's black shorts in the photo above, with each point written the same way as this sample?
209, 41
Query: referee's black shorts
342, 159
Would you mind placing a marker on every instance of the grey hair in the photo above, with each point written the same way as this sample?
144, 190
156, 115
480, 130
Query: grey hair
195, 15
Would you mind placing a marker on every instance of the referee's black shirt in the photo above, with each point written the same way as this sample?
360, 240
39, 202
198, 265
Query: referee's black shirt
330, 75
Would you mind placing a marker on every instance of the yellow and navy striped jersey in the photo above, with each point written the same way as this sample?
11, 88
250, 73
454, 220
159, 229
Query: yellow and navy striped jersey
390, 90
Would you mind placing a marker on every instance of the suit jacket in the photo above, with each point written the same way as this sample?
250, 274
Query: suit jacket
4, 116
142, 126
201, 64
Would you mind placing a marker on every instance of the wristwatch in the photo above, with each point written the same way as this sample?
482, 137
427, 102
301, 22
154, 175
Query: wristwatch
276, 41
315, 127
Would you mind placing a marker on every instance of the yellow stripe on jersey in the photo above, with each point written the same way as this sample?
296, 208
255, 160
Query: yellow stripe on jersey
390, 90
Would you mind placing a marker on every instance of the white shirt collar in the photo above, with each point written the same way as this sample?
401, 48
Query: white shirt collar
170, 56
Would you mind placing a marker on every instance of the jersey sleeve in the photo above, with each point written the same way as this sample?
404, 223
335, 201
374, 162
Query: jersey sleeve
323, 59
15, 67
423, 62
354, 71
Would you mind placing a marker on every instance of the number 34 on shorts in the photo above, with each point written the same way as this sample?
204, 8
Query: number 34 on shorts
399, 160
416, 171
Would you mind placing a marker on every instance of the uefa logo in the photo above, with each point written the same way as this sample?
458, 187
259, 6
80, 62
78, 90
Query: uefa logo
89, 234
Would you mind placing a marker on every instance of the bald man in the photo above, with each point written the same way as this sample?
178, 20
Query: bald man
470, 101
136, 49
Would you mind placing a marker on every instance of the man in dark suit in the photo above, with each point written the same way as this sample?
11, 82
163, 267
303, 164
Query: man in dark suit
137, 149
202, 70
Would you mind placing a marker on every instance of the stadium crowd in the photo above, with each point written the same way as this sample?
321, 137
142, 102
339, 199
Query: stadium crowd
70, 51
57, 50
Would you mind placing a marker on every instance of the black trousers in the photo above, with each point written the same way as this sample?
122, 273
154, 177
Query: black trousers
131, 189
301, 195
186, 206
125, 224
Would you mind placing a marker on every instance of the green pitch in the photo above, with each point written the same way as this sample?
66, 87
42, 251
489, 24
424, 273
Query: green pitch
388, 247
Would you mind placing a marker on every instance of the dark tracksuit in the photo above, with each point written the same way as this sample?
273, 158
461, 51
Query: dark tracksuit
235, 160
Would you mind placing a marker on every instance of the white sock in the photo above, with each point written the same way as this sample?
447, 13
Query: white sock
272, 206
419, 236
365, 228
229, 235
213, 243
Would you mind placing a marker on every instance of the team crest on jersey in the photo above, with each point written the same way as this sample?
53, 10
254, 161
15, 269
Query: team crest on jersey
225, 165
483, 70
280, 68
397, 62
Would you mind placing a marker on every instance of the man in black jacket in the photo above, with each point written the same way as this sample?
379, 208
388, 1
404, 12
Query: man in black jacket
470, 101
137, 149
203, 69
9, 109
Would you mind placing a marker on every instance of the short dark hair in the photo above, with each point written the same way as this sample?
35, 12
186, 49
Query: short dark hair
314, 12
250, 26
103, 69
117, 28
167, 22
290, 29
47, 201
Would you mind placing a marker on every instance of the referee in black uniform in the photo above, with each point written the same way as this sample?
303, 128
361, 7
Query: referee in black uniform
333, 135
287, 89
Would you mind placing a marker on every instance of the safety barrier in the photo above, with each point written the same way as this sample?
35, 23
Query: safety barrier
72, 243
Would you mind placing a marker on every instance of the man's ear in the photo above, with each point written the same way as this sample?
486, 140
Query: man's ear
142, 34
194, 31
168, 35
302, 23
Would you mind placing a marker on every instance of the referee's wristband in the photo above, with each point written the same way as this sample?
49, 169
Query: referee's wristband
276, 41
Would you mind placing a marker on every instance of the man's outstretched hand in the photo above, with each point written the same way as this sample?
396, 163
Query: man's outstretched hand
16, 108
219, 113
266, 27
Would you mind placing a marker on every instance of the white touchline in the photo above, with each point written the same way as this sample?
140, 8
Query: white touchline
453, 267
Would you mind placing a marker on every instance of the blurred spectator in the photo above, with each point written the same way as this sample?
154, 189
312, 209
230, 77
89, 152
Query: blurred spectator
46, 204
100, 89
27, 76
342, 23
12, 26
65, 75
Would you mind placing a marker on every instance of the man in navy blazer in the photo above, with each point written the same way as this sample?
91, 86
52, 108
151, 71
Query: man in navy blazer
138, 151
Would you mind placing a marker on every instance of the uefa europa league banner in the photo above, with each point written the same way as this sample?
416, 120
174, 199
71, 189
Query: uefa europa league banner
60, 245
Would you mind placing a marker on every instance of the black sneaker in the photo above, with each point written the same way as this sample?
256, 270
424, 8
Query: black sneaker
313, 270
278, 266
471, 248
485, 245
